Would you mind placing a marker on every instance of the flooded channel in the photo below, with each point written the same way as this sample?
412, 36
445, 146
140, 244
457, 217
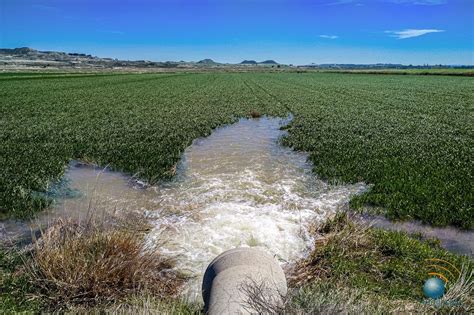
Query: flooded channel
237, 187
240, 187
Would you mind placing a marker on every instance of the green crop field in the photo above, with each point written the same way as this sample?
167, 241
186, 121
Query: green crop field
411, 137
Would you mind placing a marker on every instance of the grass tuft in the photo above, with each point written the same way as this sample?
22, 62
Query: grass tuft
100, 265
87, 263
383, 270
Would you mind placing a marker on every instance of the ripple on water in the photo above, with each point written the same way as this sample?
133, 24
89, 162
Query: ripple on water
237, 187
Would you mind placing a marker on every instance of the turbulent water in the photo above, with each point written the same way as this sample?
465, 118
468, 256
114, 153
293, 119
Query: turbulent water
237, 187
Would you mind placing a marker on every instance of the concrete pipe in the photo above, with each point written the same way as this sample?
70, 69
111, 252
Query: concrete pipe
238, 276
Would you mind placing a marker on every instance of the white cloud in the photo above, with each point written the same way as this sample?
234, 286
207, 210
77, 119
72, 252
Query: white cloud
329, 36
409, 33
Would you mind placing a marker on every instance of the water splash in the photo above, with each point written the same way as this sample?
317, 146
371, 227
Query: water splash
237, 187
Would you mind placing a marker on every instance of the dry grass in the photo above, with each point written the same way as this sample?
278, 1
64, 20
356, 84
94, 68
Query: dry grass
327, 298
460, 293
93, 262
142, 304
350, 239
262, 297
321, 297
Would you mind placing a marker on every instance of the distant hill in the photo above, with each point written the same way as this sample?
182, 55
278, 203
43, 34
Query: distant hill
18, 51
207, 62
32, 54
12, 58
268, 62
248, 62
253, 62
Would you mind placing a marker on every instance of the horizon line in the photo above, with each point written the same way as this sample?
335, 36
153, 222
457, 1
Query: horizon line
250, 59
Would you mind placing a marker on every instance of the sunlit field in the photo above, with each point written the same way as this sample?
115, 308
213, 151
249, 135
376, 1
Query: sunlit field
409, 137
237, 157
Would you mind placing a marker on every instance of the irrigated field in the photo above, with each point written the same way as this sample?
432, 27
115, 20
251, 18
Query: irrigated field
409, 136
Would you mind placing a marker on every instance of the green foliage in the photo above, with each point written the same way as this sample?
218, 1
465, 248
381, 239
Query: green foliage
139, 124
409, 136
15, 286
368, 266
321, 297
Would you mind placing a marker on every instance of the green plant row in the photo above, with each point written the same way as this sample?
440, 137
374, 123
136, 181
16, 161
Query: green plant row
409, 136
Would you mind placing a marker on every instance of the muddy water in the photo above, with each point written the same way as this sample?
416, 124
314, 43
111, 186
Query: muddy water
450, 238
237, 187
83, 190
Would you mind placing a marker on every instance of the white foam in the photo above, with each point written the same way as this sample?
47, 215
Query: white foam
237, 187
236, 190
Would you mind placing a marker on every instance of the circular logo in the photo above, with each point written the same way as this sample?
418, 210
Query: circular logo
433, 288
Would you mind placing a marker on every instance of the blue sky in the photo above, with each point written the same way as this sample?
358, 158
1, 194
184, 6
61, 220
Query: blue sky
289, 31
